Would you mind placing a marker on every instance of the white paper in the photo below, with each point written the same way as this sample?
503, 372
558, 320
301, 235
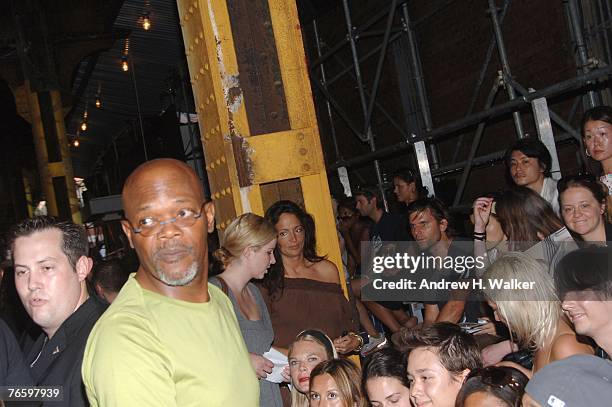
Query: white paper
280, 361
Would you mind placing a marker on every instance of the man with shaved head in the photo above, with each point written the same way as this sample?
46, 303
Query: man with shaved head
169, 338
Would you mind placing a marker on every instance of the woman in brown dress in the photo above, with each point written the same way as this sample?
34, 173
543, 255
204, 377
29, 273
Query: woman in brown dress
302, 290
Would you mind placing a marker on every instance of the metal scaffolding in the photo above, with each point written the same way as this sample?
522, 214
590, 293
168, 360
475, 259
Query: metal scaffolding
589, 24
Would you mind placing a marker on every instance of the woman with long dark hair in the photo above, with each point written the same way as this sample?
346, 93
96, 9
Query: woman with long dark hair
385, 379
526, 220
302, 290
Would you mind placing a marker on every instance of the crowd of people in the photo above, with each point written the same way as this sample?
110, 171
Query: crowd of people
275, 327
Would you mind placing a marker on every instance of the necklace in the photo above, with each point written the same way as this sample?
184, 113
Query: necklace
39, 353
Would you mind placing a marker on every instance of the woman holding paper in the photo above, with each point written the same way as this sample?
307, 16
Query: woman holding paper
246, 252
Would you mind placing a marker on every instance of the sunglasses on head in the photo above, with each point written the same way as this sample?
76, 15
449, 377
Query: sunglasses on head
495, 377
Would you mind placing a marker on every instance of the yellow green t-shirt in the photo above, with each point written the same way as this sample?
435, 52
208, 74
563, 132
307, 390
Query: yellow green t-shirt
151, 350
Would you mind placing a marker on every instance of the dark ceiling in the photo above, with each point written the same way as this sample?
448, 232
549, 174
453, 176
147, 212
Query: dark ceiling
88, 39
155, 56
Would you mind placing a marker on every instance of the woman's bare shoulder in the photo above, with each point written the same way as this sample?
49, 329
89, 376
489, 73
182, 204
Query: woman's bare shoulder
326, 271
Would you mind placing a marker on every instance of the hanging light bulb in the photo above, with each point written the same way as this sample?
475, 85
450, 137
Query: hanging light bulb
85, 116
98, 102
76, 143
124, 59
146, 22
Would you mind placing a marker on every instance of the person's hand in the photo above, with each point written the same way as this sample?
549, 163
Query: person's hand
347, 343
482, 212
261, 365
286, 374
493, 354
488, 328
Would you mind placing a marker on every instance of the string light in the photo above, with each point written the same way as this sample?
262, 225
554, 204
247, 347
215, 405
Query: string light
98, 102
126, 52
85, 116
146, 22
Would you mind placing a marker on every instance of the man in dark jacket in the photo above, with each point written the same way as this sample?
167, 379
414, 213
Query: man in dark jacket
51, 266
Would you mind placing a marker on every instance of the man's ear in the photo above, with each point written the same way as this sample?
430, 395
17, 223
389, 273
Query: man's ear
209, 210
99, 290
83, 267
127, 229
463, 375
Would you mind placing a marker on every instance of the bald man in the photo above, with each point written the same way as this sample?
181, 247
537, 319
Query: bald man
169, 338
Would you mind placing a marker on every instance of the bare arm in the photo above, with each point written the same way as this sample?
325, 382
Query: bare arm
431, 312
452, 311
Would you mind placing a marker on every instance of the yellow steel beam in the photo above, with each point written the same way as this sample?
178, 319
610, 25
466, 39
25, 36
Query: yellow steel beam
250, 147
49, 170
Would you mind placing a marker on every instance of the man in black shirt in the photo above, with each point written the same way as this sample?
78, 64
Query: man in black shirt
51, 266
387, 229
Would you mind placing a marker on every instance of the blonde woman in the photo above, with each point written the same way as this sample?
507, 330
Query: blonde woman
533, 316
246, 252
310, 348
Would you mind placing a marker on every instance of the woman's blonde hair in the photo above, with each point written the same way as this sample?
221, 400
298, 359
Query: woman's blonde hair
311, 335
531, 314
247, 230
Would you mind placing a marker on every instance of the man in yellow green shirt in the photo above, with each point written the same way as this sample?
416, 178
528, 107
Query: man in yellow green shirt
170, 338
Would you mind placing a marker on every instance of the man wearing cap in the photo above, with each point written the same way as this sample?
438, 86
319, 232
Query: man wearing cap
169, 338
580, 380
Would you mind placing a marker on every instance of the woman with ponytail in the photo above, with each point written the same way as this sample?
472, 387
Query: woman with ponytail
246, 253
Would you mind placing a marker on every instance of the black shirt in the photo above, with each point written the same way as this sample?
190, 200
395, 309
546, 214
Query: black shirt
390, 228
57, 361
13, 370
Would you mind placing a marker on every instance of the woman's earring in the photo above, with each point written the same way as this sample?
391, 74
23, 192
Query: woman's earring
586, 151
